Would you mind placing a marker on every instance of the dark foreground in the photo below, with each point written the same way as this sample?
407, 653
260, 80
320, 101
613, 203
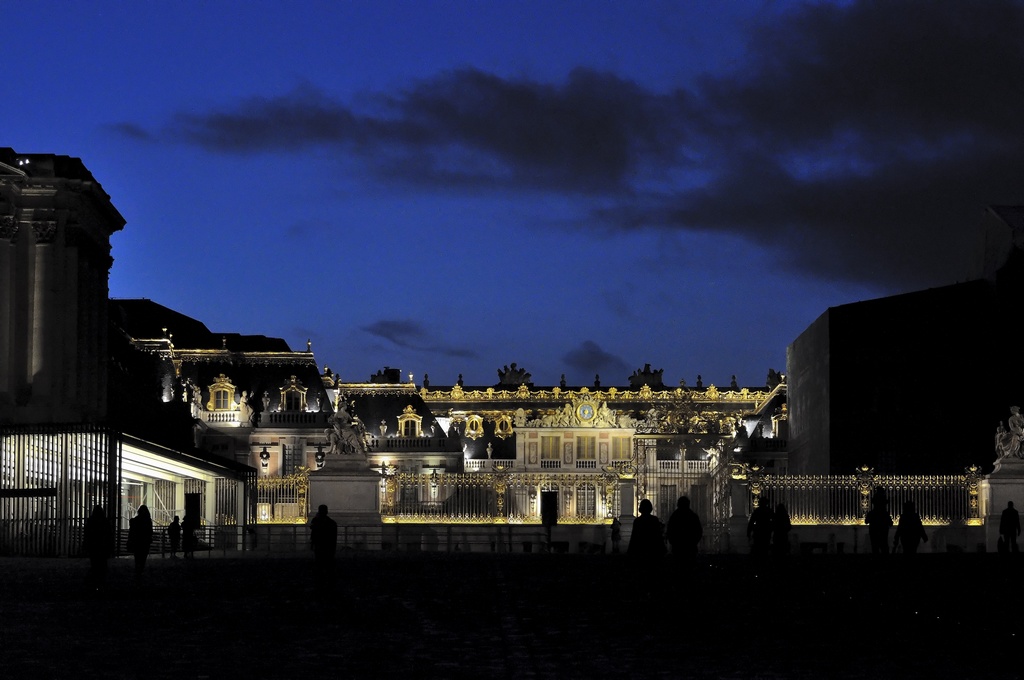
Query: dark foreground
516, 616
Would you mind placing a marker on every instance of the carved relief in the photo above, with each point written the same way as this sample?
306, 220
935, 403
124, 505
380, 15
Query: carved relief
8, 227
44, 230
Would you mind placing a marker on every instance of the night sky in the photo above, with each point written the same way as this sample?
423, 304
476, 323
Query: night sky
578, 187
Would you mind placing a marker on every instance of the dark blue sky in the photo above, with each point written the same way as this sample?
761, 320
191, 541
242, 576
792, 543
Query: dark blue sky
578, 187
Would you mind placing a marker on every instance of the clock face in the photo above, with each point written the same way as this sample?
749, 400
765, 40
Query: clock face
586, 412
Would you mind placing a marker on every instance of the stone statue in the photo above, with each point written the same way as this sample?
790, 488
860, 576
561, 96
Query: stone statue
266, 401
519, 419
1008, 441
244, 410
344, 437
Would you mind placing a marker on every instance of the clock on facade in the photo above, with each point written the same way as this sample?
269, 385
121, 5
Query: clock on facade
585, 412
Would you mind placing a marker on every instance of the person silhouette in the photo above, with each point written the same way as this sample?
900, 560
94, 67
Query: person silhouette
1009, 528
174, 536
910, 531
759, 528
684, 530
879, 520
188, 531
646, 538
97, 544
781, 526
140, 537
323, 536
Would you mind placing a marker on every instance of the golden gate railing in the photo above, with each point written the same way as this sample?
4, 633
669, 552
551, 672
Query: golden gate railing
283, 500
846, 499
499, 497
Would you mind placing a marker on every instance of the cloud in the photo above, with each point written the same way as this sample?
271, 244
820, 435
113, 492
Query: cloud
590, 359
410, 334
856, 141
131, 131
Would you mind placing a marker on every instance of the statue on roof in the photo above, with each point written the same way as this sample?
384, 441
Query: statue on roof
645, 376
513, 376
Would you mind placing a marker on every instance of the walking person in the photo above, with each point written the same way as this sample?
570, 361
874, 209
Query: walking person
684, 530
97, 545
323, 536
646, 539
759, 528
781, 526
140, 537
188, 532
879, 520
174, 536
910, 531
1009, 529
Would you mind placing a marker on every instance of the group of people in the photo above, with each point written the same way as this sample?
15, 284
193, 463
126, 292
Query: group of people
910, 533
768, 530
98, 541
684, 532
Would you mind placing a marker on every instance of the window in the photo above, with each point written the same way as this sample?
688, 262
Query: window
293, 395
220, 400
222, 394
586, 501
549, 448
586, 448
622, 448
409, 423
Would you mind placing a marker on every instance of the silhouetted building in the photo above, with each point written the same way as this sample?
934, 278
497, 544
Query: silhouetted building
913, 383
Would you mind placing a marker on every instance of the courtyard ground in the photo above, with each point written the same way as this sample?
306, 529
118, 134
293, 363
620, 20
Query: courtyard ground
516, 616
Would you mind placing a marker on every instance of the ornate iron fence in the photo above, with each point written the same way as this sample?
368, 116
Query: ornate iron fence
846, 499
283, 500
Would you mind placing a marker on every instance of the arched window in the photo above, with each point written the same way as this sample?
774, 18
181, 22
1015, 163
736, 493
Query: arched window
293, 395
409, 423
222, 394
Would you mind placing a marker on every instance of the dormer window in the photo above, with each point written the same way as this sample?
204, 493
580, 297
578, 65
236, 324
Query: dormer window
293, 395
222, 395
409, 423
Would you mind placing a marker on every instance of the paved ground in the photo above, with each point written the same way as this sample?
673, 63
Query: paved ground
516, 616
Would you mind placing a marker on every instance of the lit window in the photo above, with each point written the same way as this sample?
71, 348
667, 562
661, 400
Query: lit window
409, 423
293, 395
222, 394
549, 448
621, 448
586, 448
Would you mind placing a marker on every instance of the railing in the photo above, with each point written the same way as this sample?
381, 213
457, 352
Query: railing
488, 464
550, 465
283, 500
407, 443
685, 466
845, 499
219, 417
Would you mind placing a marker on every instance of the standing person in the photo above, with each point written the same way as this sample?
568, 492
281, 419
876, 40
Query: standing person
140, 536
879, 520
1009, 528
323, 535
759, 528
910, 531
684, 530
188, 532
780, 530
99, 539
646, 538
174, 535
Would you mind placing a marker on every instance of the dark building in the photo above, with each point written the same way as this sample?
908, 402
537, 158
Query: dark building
913, 383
